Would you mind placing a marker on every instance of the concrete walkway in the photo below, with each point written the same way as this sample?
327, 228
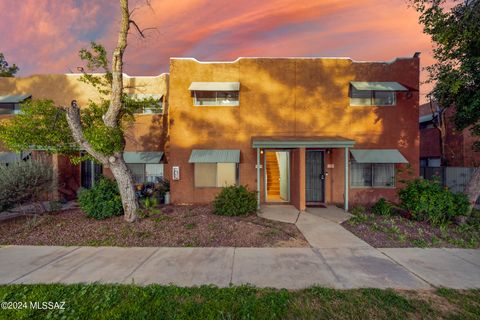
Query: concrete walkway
336, 259
291, 268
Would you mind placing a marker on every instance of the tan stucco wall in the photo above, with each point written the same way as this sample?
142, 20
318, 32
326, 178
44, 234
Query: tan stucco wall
62, 89
290, 97
146, 134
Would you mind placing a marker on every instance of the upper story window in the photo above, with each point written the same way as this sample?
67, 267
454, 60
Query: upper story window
215, 93
151, 103
12, 104
428, 121
374, 93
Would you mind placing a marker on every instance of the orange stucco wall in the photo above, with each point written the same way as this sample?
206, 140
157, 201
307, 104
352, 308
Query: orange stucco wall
290, 97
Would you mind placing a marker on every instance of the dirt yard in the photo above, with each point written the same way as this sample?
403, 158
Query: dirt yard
169, 226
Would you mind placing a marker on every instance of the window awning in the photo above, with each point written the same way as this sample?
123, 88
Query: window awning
301, 142
378, 86
426, 118
14, 98
215, 156
143, 157
10, 157
378, 156
214, 86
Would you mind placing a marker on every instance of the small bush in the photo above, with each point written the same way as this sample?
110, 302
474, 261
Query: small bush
102, 200
24, 181
428, 200
357, 210
382, 208
235, 201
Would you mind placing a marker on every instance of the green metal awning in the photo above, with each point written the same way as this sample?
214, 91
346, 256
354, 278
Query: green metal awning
143, 157
9, 157
425, 118
215, 156
378, 86
214, 86
378, 156
302, 142
14, 98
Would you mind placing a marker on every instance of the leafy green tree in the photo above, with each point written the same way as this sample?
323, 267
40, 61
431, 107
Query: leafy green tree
98, 128
454, 27
5, 69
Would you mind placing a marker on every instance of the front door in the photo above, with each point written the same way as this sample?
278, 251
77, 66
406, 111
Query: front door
315, 177
90, 171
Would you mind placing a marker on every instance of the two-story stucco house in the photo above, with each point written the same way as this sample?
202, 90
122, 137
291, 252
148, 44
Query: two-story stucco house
303, 131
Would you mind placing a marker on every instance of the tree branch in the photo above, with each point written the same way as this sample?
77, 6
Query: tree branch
111, 116
136, 27
75, 124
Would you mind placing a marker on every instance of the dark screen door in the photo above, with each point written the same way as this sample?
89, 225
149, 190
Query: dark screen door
90, 172
315, 176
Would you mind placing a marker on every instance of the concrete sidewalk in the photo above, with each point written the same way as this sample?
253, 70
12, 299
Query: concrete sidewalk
291, 268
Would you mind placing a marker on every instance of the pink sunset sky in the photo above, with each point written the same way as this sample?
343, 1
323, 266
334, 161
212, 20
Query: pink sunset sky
44, 36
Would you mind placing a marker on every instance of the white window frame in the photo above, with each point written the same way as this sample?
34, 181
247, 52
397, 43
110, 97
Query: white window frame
393, 186
372, 98
217, 103
237, 175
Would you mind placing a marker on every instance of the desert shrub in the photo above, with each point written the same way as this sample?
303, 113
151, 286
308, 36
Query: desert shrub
102, 200
235, 201
382, 208
24, 181
357, 210
429, 200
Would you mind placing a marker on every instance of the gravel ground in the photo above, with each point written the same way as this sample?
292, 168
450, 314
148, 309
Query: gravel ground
170, 226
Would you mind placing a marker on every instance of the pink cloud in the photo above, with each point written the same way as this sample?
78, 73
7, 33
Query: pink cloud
45, 36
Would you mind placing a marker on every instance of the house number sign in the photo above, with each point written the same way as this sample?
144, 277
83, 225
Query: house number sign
176, 173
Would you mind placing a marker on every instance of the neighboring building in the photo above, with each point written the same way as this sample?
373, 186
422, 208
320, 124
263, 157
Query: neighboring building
459, 151
145, 140
305, 131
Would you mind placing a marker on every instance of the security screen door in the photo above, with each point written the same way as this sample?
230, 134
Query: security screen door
315, 177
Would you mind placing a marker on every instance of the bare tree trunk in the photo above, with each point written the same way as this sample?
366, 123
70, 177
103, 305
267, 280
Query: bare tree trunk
126, 187
473, 187
111, 119
115, 163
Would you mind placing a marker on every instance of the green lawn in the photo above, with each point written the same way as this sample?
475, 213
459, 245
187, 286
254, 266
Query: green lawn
170, 302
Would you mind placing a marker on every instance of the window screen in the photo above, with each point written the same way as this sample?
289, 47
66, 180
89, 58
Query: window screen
215, 98
383, 175
205, 174
361, 174
384, 98
372, 174
138, 171
360, 97
226, 174
7, 108
371, 98
215, 174
153, 171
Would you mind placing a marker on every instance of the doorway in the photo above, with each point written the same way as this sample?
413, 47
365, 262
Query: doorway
315, 177
90, 171
277, 176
